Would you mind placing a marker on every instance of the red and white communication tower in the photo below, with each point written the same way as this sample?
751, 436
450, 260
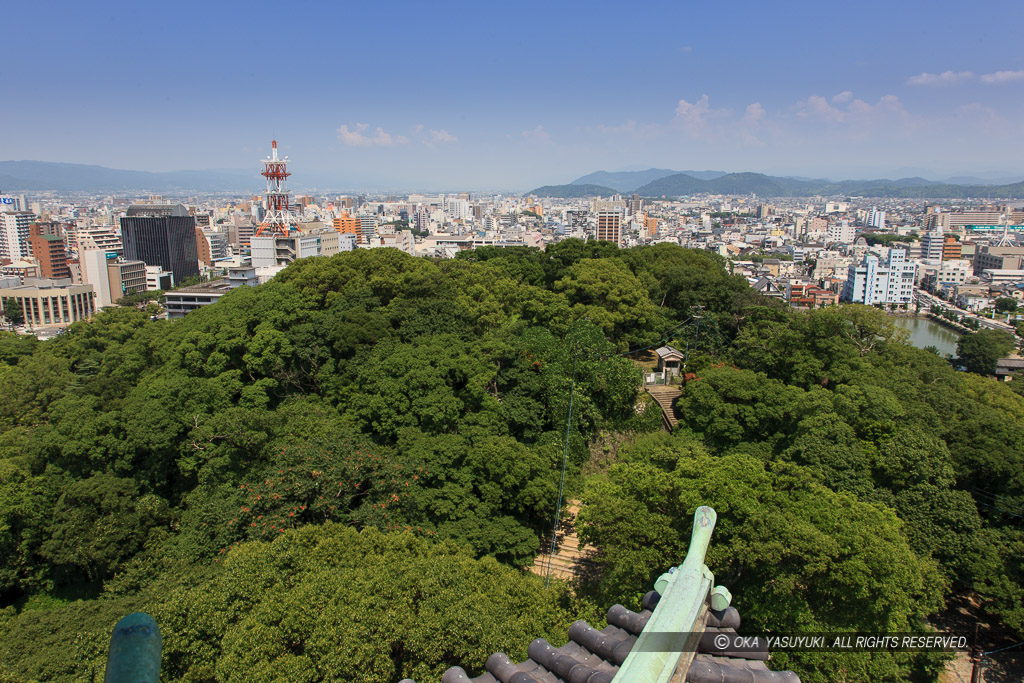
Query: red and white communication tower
279, 214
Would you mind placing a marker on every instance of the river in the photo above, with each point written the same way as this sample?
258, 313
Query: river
924, 332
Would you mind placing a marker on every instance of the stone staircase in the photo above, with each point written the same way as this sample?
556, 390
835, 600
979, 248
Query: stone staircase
665, 397
570, 560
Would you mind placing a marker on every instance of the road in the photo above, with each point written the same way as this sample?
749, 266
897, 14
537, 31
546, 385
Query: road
927, 300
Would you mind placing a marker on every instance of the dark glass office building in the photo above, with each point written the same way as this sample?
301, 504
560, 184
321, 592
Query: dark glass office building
162, 235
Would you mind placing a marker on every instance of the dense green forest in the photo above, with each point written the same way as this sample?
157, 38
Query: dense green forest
339, 475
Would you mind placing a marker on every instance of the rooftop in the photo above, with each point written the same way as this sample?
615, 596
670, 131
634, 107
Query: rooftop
672, 638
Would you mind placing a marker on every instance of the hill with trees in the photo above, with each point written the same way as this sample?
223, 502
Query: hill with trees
341, 474
628, 181
762, 185
572, 191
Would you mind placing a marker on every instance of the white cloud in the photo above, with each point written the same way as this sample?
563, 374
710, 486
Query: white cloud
1002, 77
686, 48
754, 114
817, 107
538, 134
695, 114
357, 136
842, 97
442, 136
627, 128
855, 112
944, 78
696, 117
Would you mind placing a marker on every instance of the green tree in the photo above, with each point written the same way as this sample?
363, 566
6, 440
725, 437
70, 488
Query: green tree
99, 523
611, 297
980, 350
1006, 305
795, 555
355, 606
12, 311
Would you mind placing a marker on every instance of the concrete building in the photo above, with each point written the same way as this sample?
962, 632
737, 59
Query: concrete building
998, 258
367, 228
51, 302
125, 277
841, 232
280, 250
14, 234
965, 219
105, 238
49, 251
932, 243
21, 270
876, 218
949, 273
211, 246
347, 225
158, 278
187, 299
877, 281
952, 250
94, 273
161, 235
609, 226
179, 302
12, 202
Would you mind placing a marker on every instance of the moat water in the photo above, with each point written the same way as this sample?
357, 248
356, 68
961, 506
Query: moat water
924, 332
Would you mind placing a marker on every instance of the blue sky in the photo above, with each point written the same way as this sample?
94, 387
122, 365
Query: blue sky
478, 95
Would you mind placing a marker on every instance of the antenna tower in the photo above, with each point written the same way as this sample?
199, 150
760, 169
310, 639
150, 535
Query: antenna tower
279, 215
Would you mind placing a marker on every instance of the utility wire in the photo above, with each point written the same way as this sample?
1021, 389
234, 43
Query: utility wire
668, 335
565, 463
1005, 512
568, 429
1000, 649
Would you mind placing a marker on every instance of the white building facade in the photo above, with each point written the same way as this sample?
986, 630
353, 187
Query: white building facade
875, 281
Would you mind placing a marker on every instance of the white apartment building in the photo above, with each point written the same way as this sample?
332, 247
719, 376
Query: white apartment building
931, 244
876, 219
875, 281
14, 234
841, 232
11, 202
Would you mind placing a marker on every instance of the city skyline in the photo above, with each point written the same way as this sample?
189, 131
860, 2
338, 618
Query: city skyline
457, 95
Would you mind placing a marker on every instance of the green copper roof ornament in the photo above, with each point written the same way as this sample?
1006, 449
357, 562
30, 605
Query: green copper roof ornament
134, 655
682, 610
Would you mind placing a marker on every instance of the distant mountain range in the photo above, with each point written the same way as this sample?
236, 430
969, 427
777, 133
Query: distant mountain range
669, 184
627, 181
21, 176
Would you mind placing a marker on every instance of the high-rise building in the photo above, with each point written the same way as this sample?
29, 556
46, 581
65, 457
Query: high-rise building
931, 244
876, 219
49, 251
367, 227
609, 226
14, 233
211, 245
875, 281
161, 235
636, 205
10, 202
